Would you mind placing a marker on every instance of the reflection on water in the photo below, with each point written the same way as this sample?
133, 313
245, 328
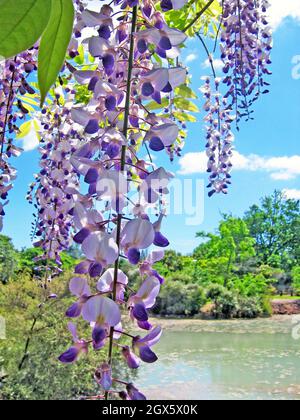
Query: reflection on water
225, 360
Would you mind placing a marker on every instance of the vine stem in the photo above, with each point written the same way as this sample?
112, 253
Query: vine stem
198, 16
123, 166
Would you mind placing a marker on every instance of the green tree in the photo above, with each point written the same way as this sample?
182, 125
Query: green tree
296, 279
8, 259
275, 226
29, 264
231, 245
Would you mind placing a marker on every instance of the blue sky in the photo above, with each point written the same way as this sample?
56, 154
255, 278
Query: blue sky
268, 149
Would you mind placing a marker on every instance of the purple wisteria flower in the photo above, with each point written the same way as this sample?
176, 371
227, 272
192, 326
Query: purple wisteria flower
79, 347
137, 235
219, 137
103, 313
144, 300
246, 44
13, 85
101, 250
106, 283
143, 345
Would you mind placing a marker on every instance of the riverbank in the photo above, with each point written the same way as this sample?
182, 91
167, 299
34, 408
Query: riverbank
285, 306
275, 324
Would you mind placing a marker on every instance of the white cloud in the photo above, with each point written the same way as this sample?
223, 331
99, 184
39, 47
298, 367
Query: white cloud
191, 57
30, 142
292, 194
218, 64
281, 168
280, 10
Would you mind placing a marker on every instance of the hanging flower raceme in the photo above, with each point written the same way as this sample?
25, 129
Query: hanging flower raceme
54, 191
13, 84
219, 146
246, 44
112, 217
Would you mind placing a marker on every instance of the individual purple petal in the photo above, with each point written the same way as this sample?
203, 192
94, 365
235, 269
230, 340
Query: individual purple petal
110, 103
153, 337
79, 287
92, 176
134, 256
100, 247
168, 88
165, 43
99, 334
105, 308
147, 89
148, 292
158, 276
113, 150
156, 144
109, 63
145, 325
83, 267
142, 46
134, 393
132, 360
81, 235
157, 97
160, 240
166, 5
105, 283
104, 32
147, 355
74, 311
138, 233
95, 270
104, 376
139, 312
70, 355
93, 83
92, 127
73, 330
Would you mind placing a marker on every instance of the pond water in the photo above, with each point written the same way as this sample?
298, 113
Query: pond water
234, 360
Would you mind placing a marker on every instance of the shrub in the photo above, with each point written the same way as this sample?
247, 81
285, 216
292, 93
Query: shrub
177, 299
42, 376
296, 280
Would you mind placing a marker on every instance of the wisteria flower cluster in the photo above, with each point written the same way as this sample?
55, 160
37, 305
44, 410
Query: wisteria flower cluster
53, 191
13, 84
112, 217
219, 136
246, 44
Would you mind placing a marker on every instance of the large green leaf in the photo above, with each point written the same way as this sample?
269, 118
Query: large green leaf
22, 22
54, 44
185, 105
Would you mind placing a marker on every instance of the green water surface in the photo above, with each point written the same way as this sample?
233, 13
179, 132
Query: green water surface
233, 360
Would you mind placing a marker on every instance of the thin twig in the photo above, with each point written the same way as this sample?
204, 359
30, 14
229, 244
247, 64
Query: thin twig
198, 16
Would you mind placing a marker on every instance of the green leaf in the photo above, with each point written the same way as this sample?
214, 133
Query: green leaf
24, 130
182, 116
186, 92
22, 22
154, 106
54, 44
186, 105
